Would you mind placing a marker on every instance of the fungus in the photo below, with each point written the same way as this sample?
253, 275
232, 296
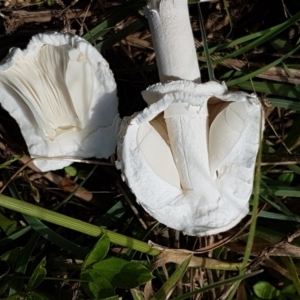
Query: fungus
62, 94
189, 157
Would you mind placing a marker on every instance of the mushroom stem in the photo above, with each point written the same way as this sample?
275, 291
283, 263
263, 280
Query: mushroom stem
173, 40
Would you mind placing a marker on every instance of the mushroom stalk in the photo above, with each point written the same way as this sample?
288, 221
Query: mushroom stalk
173, 40
176, 58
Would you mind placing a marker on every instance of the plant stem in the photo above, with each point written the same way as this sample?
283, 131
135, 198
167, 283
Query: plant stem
71, 223
173, 40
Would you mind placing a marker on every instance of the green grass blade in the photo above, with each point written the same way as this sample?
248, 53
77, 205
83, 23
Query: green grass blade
48, 233
263, 69
14, 236
22, 263
106, 25
74, 224
251, 235
122, 34
281, 191
171, 283
272, 32
276, 216
288, 261
276, 89
286, 104
217, 284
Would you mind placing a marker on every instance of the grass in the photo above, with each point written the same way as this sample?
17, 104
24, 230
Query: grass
49, 234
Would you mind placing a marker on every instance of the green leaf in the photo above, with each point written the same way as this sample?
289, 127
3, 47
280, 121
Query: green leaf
22, 263
136, 294
288, 289
265, 290
286, 178
9, 226
36, 296
4, 269
70, 170
289, 263
270, 33
10, 161
74, 224
122, 34
173, 280
82, 174
96, 287
14, 236
217, 284
123, 274
37, 276
104, 26
262, 69
286, 104
98, 252
279, 89
48, 233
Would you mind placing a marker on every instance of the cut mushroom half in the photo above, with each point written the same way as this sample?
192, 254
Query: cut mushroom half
62, 94
190, 156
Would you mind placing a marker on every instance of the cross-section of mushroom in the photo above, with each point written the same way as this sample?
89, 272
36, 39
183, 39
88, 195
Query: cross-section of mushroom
62, 93
190, 156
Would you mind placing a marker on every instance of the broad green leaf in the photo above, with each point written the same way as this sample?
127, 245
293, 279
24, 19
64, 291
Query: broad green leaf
123, 274
173, 280
98, 252
96, 287
265, 290
70, 170
37, 276
288, 289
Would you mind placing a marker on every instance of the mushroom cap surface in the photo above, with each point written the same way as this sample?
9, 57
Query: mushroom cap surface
63, 95
202, 189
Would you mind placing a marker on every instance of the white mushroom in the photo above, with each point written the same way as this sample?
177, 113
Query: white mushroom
62, 93
190, 156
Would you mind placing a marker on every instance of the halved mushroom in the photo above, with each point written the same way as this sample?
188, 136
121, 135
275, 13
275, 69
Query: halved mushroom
190, 156
62, 94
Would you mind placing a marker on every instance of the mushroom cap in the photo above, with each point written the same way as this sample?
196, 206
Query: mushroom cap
63, 95
194, 180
